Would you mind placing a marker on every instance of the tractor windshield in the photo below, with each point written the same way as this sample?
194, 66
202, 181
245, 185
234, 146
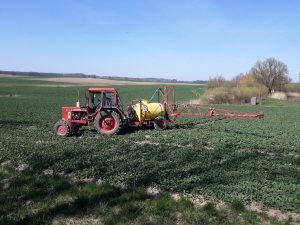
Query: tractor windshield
103, 99
108, 99
94, 100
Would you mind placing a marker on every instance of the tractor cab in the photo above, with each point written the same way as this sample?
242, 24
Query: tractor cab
102, 98
103, 110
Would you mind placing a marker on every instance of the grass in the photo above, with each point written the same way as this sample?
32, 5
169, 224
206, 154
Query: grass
28, 197
221, 159
237, 206
279, 103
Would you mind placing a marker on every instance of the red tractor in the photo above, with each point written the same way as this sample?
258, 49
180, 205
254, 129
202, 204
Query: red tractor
104, 111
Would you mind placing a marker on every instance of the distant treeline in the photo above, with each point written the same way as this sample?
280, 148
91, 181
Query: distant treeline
163, 80
38, 74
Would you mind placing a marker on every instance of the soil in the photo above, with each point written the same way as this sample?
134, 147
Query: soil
99, 81
286, 96
7, 75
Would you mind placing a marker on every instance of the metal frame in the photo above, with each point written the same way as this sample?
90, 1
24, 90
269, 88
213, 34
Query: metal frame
175, 110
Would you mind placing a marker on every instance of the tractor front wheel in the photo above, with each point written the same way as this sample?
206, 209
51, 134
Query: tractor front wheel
108, 122
61, 128
160, 123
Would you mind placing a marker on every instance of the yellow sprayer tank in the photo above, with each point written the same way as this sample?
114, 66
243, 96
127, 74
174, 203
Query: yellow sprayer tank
150, 110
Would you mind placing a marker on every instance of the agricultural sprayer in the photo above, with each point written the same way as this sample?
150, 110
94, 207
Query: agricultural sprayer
104, 111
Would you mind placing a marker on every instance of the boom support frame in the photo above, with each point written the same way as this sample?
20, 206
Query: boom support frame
166, 96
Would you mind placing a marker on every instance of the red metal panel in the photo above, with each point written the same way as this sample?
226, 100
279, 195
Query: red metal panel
116, 97
79, 121
67, 112
102, 89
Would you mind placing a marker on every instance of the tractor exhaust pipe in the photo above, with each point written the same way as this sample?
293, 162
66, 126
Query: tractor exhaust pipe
78, 103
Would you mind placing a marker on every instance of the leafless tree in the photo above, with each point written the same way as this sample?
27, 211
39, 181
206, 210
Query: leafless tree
270, 73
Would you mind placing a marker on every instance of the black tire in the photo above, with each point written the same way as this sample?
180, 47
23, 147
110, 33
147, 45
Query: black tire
61, 128
160, 123
76, 128
108, 122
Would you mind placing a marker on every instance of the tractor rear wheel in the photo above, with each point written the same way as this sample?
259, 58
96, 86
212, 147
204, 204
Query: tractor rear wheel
108, 122
160, 123
61, 128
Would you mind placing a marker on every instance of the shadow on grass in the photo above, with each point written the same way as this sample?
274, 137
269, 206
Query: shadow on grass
128, 129
32, 198
15, 123
247, 133
194, 124
124, 131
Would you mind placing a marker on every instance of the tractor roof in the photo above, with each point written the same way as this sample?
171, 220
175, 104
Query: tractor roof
102, 89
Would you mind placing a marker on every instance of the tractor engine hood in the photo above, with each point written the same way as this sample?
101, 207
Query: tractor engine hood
67, 112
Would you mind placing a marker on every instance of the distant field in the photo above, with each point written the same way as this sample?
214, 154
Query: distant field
80, 81
7, 75
102, 82
255, 161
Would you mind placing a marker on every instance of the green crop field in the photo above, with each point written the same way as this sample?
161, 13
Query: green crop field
220, 159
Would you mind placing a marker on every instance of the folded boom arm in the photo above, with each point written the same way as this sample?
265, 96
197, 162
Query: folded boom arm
198, 110
166, 96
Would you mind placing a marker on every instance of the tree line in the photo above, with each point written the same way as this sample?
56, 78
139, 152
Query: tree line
261, 80
271, 73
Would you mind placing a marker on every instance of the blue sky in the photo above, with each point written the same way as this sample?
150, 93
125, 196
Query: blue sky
185, 40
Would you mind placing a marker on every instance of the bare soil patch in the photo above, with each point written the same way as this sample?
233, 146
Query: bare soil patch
286, 96
283, 215
146, 142
195, 102
100, 81
7, 75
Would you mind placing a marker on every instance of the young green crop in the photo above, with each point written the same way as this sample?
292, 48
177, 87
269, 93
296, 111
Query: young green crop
221, 159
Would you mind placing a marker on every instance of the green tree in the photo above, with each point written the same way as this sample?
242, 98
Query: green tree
270, 73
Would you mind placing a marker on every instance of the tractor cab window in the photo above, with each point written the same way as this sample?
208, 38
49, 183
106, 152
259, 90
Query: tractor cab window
97, 99
94, 100
108, 99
